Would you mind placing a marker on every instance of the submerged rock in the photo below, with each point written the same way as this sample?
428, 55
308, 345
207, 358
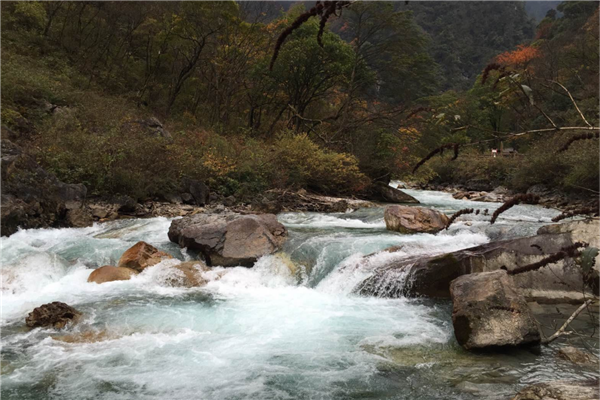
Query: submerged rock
561, 390
488, 311
108, 273
52, 315
85, 337
577, 356
405, 219
188, 274
142, 255
229, 239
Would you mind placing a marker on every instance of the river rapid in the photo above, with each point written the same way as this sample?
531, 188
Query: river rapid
288, 328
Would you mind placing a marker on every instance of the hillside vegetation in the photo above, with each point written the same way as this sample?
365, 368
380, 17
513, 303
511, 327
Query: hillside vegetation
129, 98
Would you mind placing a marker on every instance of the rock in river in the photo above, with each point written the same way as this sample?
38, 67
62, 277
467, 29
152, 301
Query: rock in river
561, 390
384, 192
430, 276
488, 311
405, 219
229, 239
108, 273
52, 315
142, 255
187, 274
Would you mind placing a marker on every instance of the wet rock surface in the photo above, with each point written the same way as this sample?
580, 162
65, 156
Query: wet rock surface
141, 256
52, 315
488, 311
577, 356
109, 273
431, 276
561, 390
406, 219
229, 239
187, 274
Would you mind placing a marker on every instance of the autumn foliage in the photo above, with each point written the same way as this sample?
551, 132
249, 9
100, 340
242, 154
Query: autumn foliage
519, 57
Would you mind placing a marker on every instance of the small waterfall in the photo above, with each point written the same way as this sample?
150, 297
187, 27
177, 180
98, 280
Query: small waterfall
389, 282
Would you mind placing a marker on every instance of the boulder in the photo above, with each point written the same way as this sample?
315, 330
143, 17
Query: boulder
386, 193
100, 211
52, 315
108, 273
488, 311
229, 201
198, 190
34, 198
79, 216
187, 198
561, 390
577, 356
229, 239
188, 274
154, 127
173, 198
141, 256
406, 219
124, 204
431, 276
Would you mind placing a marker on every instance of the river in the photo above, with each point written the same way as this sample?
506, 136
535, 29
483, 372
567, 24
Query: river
288, 328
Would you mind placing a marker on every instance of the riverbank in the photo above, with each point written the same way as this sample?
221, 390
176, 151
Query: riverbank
550, 198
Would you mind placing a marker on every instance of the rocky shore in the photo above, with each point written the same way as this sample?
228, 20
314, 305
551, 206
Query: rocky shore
550, 198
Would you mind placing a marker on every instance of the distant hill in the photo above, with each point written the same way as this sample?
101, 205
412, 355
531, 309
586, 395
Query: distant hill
538, 9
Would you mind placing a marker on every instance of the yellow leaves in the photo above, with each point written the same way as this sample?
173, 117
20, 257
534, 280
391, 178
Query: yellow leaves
409, 132
216, 165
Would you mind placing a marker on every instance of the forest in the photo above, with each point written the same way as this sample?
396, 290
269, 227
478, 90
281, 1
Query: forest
129, 98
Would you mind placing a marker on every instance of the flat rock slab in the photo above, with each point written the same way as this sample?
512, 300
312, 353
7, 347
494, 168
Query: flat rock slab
431, 276
229, 239
385, 192
488, 311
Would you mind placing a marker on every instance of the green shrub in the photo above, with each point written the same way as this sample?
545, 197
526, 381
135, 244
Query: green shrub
300, 163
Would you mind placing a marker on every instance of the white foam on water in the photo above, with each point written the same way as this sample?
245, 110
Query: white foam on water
274, 331
320, 220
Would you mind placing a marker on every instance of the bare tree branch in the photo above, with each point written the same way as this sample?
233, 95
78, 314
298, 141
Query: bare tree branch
574, 103
561, 331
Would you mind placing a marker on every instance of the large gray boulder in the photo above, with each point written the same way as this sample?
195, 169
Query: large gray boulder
488, 311
385, 192
561, 390
560, 282
406, 219
229, 239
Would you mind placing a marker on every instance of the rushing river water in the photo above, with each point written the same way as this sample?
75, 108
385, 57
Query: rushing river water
289, 328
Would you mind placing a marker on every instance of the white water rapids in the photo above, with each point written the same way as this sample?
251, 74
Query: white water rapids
288, 328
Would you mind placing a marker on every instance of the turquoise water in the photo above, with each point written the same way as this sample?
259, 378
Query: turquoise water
289, 328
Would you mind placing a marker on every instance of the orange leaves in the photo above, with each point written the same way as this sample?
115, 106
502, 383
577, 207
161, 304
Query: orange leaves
519, 57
